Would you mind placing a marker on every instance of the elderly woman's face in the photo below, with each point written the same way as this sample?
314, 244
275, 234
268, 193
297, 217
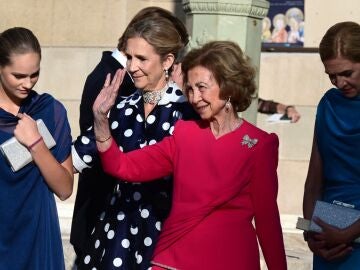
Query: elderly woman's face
345, 75
144, 64
203, 93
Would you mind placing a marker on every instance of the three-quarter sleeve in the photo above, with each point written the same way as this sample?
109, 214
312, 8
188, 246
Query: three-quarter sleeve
84, 151
152, 162
264, 188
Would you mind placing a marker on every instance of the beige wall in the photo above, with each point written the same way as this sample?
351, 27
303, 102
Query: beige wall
81, 23
74, 33
321, 14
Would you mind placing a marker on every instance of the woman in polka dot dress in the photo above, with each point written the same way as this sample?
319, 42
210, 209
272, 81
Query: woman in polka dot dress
127, 230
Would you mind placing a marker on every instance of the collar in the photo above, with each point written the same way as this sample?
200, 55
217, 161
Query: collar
120, 57
173, 94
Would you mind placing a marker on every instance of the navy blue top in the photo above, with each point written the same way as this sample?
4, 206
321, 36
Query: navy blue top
29, 226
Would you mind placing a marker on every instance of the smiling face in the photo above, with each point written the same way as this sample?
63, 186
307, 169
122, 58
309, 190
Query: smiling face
345, 75
145, 65
203, 92
19, 76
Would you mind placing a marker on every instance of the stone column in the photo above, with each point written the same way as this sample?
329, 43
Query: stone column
236, 20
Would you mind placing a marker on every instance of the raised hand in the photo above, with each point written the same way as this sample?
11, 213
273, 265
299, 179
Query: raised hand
107, 96
102, 105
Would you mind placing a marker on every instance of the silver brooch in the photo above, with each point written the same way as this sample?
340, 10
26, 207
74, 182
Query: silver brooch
248, 141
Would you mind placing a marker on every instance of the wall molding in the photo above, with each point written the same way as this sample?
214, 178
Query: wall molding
256, 9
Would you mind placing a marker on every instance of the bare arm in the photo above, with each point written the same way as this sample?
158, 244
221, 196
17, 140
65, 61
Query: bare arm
329, 244
314, 181
269, 106
58, 176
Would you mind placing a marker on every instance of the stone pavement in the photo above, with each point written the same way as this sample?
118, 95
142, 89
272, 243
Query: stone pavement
298, 255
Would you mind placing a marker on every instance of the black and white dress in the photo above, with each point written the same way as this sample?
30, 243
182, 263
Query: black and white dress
125, 234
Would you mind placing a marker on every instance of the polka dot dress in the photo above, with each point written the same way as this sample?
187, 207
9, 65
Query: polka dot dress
126, 231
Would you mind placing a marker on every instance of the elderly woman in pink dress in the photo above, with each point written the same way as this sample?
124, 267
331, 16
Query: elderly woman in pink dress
224, 169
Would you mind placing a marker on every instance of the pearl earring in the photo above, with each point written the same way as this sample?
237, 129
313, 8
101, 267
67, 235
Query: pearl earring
166, 74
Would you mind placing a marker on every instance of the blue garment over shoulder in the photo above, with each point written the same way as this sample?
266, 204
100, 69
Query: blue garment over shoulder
337, 131
29, 226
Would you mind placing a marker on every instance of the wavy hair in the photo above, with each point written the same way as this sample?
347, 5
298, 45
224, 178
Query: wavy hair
231, 68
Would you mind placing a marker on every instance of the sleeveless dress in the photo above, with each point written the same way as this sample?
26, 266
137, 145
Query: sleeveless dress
338, 126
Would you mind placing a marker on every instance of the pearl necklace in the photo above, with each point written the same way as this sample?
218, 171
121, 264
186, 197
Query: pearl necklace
153, 96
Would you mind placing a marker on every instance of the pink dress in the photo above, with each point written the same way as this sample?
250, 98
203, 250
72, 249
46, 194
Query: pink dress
220, 186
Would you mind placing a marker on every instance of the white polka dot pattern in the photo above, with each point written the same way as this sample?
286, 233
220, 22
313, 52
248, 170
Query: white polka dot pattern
158, 226
166, 126
128, 111
150, 119
85, 140
120, 215
134, 231
152, 142
87, 158
171, 131
144, 213
147, 241
114, 125
128, 133
97, 243
139, 118
138, 258
120, 105
110, 234
87, 259
125, 243
117, 262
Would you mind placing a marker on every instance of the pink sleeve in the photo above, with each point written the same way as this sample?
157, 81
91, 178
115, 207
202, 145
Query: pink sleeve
149, 163
264, 189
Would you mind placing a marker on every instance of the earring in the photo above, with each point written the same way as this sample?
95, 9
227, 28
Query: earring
228, 105
166, 74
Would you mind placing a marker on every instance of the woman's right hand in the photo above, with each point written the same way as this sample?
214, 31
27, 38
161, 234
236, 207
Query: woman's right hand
101, 107
319, 248
107, 96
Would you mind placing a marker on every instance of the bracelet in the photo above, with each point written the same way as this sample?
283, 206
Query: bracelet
102, 140
35, 143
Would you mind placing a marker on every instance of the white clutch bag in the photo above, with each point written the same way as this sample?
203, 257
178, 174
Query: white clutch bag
17, 154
